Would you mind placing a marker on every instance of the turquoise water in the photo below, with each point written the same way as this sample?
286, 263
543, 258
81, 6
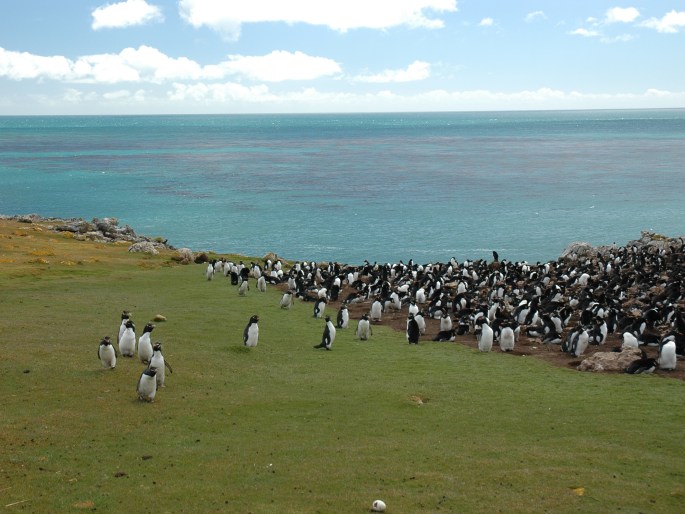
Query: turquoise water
382, 187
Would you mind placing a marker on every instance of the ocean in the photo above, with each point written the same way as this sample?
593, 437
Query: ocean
350, 187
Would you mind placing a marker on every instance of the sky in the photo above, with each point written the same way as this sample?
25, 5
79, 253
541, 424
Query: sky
310, 56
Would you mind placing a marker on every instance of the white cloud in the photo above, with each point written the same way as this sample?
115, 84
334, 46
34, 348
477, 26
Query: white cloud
279, 66
418, 70
228, 17
621, 15
23, 65
220, 93
670, 23
125, 14
585, 33
311, 100
486, 22
147, 64
623, 38
535, 15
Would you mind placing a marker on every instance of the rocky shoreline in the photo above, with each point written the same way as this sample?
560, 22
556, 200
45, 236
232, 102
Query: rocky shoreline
101, 230
107, 230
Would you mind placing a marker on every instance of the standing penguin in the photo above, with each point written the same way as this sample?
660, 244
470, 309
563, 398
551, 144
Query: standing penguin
485, 337
376, 310
364, 328
125, 316
328, 335
261, 284
507, 339
147, 385
243, 288
319, 307
445, 322
107, 353
210, 271
343, 319
421, 322
251, 332
667, 355
287, 300
413, 332
127, 342
159, 363
145, 345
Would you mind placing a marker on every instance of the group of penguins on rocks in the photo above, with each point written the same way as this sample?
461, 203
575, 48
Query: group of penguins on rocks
149, 354
633, 292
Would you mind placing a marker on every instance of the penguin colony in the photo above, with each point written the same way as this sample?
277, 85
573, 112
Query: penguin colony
153, 376
632, 296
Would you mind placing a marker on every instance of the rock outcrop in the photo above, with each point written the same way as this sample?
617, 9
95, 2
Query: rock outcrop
103, 230
648, 240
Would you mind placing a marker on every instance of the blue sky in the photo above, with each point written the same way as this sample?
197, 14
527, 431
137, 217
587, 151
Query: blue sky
265, 56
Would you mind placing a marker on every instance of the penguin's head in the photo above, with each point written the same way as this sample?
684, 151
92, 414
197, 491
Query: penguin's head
129, 324
149, 327
150, 372
105, 341
254, 318
157, 347
328, 318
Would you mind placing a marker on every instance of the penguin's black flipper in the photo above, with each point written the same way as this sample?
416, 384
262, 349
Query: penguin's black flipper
168, 366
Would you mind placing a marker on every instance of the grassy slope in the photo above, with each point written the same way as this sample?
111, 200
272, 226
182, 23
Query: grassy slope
284, 428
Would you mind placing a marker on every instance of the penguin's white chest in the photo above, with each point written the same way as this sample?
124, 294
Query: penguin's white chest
145, 347
127, 343
157, 361
252, 335
107, 356
147, 387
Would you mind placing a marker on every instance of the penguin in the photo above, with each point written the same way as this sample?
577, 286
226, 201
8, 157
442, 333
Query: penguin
261, 284
287, 300
319, 307
485, 338
667, 355
413, 308
127, 342
147, 385
145, 345
364, 330
421, 322
413, 332
125, 316
629, 341
445, 336
243, 288
328, 335
210, 271
107, 353
580, 343
159, 363
251, 332
343, 319
445, 322
506, 339
644, 365
376, 310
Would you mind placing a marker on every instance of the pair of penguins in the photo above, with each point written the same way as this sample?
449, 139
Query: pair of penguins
154, 375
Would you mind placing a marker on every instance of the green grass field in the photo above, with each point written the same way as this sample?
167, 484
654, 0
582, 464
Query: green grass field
284, 428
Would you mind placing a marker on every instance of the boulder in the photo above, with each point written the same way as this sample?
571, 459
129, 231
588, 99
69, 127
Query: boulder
184, 256
144, 247
579, 250
610, 361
